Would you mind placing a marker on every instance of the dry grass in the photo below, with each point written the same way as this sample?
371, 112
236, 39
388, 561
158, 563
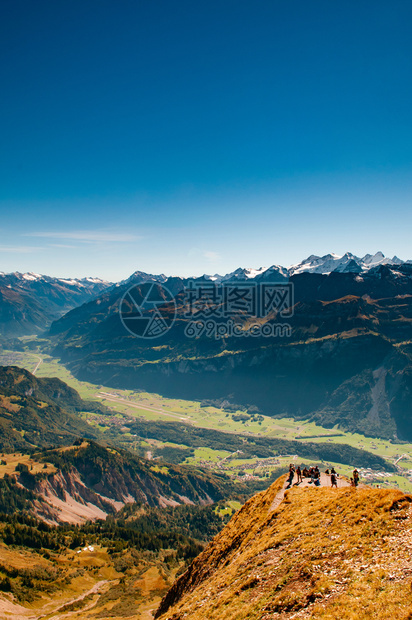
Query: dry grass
324, 553
35, 467
88, 586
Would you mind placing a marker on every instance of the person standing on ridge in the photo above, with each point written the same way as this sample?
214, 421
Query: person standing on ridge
355, 477
291, 474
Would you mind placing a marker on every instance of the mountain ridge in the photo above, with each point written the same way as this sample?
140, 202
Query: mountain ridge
320, 553
87, 481
29, 302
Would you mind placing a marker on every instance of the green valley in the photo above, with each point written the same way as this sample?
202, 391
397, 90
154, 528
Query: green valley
129, 414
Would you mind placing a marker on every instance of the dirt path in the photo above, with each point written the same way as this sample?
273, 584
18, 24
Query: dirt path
12, 611
306, 482
60, 611
37, 365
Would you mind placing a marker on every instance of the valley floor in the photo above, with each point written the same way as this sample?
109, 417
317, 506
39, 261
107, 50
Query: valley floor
129, 404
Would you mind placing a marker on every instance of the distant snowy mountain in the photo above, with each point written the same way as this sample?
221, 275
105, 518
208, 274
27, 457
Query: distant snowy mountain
23, 278
29, 302
348, 263
275, 273
140, 276
239, 274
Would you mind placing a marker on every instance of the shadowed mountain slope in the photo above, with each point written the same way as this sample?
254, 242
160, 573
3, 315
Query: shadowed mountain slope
347, 359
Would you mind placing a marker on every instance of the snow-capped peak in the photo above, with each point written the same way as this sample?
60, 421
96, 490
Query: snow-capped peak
379, 258
346, 263
273, 273
322, 264
376, 259
250, 272
31, 276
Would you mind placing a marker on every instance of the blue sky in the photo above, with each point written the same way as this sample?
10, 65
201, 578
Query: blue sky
185, 137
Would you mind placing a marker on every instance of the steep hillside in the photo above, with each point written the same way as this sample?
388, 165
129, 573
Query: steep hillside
321, 553
39, 412
87, 482
123, 477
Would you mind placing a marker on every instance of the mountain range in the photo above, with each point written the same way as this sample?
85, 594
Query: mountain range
29, 302
313, 264
326, 264
346, 360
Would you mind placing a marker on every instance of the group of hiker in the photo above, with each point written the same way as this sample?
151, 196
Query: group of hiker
314, 474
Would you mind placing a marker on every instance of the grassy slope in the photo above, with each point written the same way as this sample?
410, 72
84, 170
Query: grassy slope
322, 554
72, 583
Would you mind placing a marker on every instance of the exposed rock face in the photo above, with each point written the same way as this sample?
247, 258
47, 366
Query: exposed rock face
67, 499
321, 553
92, 481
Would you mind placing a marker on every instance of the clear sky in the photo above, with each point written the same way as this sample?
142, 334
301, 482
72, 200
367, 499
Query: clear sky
188, 137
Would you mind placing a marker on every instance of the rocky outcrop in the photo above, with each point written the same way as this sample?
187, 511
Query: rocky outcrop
67, 499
